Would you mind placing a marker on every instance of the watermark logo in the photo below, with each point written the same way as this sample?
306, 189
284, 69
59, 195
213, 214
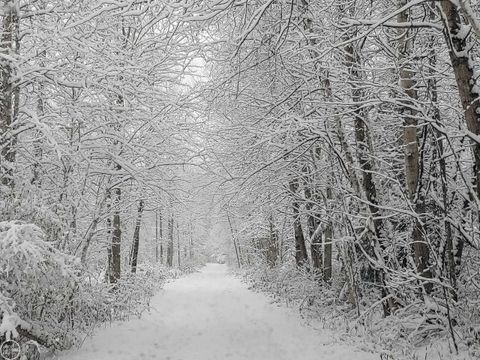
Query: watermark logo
10, 350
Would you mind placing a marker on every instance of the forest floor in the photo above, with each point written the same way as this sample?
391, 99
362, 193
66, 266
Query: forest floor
212, 315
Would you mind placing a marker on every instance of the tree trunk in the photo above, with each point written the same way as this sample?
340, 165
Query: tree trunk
178, 246
412, 156
327, 265
37, 145
8, 92
272, 248
160, 230
301, 256
108, 197
88, 239
374, 246
170, 241
136, 238
440, 157
313, 223
328, 234
191, 250
158, 236
114, 271
234, 239
361, 138
157, 240
461, 59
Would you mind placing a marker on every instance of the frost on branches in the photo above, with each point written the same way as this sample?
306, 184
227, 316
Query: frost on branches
37, 284
47, 297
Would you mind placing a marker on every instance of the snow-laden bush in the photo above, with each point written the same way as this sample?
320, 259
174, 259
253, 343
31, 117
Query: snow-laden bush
286, 282
411, 329
37, 283
48, 297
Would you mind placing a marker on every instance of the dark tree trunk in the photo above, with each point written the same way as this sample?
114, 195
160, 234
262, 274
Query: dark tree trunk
191, 250
413, 183
461, 58
8, 93
37, 145
327, 265
116, 238
158, 236
136, 238
301, 256
178, 246
313, 223
160, 229
374, 245
170, 241
157, 239
272, 247
234, 239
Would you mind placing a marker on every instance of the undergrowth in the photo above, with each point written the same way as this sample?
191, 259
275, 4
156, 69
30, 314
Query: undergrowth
417, 331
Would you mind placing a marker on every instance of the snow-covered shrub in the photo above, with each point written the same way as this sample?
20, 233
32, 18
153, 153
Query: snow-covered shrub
132, 293
412, 328
37, 284
48, 297
298, 287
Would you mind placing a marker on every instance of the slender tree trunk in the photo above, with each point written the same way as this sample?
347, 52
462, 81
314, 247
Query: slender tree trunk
109, 236
411, 145
88, 240
461, 58
313, 223
158, 236
328, 234
301, 256
136, 238
234, 239
92, 228
272, 248
8, 91
170, 241
191, 250
116, 238
374, 247
157, 240
458, 42
37, 145
160, 229
178, 246
361, 138
440, 157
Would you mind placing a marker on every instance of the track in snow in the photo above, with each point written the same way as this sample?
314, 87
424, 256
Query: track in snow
211, 315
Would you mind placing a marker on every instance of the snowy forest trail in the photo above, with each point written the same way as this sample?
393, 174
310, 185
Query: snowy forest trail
211, 315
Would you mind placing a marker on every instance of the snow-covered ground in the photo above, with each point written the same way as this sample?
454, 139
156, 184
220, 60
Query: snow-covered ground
211, 315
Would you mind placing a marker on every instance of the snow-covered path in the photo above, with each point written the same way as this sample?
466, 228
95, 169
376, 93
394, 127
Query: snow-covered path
211, 315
